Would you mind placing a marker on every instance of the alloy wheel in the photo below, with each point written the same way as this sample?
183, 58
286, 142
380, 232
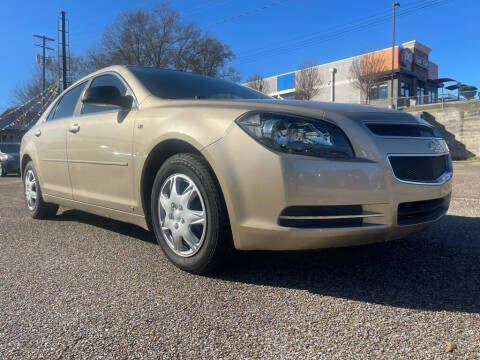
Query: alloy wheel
31, 189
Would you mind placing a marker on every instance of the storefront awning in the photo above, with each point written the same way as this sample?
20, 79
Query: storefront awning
441, 81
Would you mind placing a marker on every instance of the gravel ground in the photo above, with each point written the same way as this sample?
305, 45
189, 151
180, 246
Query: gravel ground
81, 286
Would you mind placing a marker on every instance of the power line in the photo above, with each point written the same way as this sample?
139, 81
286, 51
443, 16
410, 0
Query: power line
284, 41
81, 34
202, 7
247, 13
330, 35
333, 34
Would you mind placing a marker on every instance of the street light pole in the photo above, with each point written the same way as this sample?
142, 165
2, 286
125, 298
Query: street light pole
394, 6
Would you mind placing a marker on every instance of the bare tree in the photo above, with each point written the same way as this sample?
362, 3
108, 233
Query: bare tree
257, 82
229, 73
366, 71
155, 38
24, 92
159, 38
207, 56
307, 81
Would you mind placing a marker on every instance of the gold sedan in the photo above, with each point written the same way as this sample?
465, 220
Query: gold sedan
210, 166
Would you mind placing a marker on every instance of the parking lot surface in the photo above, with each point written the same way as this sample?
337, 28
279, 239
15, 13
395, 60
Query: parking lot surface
82, 286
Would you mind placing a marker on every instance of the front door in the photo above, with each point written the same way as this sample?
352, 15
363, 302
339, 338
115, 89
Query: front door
51, 143
99, 150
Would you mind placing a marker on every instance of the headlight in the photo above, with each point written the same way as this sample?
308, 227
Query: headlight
3, 157
296, 135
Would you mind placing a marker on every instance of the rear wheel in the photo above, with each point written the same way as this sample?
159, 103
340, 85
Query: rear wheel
37, 208
189, 216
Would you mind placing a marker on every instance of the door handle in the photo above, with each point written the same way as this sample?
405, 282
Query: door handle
37, 133
74, 128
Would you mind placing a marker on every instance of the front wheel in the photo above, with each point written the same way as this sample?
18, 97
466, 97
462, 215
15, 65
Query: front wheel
189, 215
37, 208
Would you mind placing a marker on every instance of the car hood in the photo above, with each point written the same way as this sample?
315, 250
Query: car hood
327, 110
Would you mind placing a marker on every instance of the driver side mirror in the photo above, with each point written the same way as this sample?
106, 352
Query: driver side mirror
107, 96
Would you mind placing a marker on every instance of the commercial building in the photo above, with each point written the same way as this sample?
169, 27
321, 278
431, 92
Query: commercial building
415, 78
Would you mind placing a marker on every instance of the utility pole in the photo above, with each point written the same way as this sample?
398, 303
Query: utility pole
44, 47
394, 6
44, 60
64, 54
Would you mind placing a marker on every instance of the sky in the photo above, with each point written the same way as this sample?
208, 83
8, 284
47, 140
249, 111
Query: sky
268, 36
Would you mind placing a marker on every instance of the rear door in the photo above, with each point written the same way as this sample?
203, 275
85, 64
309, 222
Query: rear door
99, 149
51, 143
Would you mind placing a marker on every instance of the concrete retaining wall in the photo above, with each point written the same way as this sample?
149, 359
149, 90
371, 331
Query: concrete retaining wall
459, 123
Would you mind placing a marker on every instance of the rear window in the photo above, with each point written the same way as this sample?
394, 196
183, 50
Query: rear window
9, 148
169, 84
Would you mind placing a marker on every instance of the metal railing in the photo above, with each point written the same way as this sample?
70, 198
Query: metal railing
436, 99
407, 101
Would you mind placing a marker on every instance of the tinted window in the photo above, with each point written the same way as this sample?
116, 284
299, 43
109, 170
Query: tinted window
169, 84
404, 89
52, 112
104, 80
66, 106
379, 91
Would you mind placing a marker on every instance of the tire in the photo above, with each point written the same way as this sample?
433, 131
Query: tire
197, 196
3, 170
38, 208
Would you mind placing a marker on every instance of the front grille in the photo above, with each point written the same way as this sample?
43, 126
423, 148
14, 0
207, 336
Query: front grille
421, 211
403, 130
336, 216
419, 168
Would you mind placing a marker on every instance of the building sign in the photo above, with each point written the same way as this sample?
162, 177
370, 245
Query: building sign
286, 82
421, 62
406, 58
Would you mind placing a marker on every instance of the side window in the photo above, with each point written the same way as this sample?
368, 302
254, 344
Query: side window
68, 102
104, 80
52, 112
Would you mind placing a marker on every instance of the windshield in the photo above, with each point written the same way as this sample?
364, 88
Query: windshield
169, 84
9, 148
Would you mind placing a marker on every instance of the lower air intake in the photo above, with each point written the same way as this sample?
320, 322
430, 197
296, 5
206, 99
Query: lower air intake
414, 212
323, 216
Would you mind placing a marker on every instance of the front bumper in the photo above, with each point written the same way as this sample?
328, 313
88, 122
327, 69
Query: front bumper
259, 184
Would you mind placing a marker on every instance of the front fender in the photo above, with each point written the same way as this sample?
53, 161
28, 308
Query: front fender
195, 126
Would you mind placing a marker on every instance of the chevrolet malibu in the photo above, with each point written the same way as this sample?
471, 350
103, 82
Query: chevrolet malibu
211, 166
